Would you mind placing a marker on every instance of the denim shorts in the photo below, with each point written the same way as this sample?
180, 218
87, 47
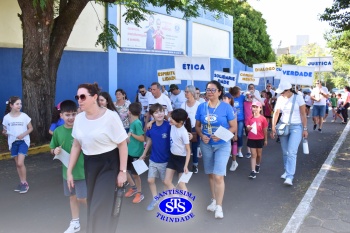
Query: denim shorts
318, 110
19, 147
79, 189
215, 157
156, 170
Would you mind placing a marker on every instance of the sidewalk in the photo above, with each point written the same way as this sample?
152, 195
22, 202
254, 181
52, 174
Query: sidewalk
325, 207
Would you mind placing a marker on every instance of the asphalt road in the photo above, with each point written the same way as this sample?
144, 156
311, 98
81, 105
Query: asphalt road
260, 205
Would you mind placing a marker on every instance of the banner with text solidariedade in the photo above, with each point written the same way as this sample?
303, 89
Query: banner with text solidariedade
167, 77
301, 75
321, 64
192, 68
225, 79
264, 70
248, 78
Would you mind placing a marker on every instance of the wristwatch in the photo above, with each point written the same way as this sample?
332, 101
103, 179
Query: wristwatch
305, 128
123, 171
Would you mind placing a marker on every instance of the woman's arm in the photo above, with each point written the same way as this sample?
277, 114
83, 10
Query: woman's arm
302, 110
123, 158
198, 127
275, 116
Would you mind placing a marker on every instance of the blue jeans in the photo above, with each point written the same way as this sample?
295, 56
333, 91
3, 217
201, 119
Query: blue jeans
290, 145
194, 148
240, 127
215, 157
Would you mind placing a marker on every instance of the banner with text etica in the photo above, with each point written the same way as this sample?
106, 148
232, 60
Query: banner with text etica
192, 68
167, 77
298, 75
248, 78
225, 79
264, 70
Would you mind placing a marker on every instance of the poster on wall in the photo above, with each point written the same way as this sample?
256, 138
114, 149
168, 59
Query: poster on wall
226, 79
298, 75
159, 34
321, 64
264, 70
167, 77
192, 68
247, 78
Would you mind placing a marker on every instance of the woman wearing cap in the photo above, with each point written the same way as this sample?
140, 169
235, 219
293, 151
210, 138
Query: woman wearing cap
216, 152
297, 127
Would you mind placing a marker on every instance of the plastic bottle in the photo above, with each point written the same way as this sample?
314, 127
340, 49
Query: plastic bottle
305, 146
234, 148
118, 200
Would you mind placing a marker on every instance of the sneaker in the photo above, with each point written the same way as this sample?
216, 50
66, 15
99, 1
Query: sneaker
248, 155
257, 168
278, 139
18, 188
212, 206
240, 155
320, 130
252, 175
234, 166
138, 198
315, 126
218, 212
74, 226
284, 176
195, 169
131, 192
24, 188
324, 120
152, 205
288, 182
333, 121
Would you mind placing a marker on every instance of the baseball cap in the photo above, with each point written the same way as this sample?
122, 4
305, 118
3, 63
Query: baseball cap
173, 87
257, 103
283, 86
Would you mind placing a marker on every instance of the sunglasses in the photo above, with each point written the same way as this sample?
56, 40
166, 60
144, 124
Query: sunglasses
212, 90
82, 97
142, 92
268, 86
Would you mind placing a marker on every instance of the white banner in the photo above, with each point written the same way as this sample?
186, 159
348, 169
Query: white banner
278, 74
298, 75
192, 68
167, 77
264, 70
248, 78
321, 64
226, 79
159, 34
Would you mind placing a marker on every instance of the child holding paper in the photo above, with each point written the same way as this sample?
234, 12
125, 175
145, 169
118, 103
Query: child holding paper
257, 137
62, 140
135, 150
179, 147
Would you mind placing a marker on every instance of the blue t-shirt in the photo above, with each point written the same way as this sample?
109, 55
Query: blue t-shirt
57, 124
160, 136
219, 116
239, 105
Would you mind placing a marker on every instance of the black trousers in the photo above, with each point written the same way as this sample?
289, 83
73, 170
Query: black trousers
344, 112
101, 173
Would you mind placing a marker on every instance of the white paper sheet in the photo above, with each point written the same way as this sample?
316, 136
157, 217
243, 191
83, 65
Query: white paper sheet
223, 134
185, 177
140, 166
63, 157
254, 129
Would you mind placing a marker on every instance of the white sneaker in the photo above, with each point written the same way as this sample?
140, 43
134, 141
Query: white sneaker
333, 121
74, 226
284, 176
288, 182
218, 212
240, 155
212, 206
234, 166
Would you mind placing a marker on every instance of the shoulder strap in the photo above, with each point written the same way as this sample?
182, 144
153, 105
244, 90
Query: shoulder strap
291, 112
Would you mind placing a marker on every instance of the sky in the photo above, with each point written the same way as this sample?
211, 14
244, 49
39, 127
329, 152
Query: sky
285, 19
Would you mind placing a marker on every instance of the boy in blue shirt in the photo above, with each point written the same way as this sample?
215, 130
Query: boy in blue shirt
159, 138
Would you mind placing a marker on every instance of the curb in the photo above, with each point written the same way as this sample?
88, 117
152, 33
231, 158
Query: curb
31, 151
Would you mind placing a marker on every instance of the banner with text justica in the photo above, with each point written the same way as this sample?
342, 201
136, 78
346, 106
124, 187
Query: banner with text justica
321, 64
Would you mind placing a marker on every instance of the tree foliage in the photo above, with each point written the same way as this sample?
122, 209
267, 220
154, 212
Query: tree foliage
287, 59
338, 15
252, 44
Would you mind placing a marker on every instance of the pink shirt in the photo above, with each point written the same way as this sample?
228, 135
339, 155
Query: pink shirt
261, 124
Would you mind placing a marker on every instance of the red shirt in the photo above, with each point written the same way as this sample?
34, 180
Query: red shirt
261, 124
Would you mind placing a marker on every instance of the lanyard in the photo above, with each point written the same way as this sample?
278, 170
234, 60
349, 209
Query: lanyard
210, 131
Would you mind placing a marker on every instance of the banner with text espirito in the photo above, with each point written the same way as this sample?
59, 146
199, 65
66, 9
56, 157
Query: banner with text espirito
301, 75
278, 74
226, 79
321, 64
167, 77
264, 70
192, 68
248, 78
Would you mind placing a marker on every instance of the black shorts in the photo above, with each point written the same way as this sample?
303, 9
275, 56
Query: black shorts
339, 111
177, 163
308, 106
255, 143
129, 165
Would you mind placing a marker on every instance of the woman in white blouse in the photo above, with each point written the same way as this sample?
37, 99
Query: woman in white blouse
100, 134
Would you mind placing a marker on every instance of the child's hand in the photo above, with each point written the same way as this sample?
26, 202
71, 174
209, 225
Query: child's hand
190, 136
149, 125
185, 170
142, 157
265, 143
249, 127
57, 150
20, 137
70, 181
235, 138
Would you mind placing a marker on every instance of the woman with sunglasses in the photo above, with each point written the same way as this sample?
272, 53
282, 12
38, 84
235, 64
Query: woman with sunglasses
100, 134
122, 106
297, 127
216, 152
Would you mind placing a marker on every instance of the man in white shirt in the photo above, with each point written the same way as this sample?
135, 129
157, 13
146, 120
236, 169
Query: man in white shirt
177, 97
142, 97
319, 95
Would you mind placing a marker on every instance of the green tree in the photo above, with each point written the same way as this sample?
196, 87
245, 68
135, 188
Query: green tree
47, 25
338, 16
252, 44
287, 59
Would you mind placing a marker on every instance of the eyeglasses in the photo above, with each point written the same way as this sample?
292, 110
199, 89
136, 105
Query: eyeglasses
268, 86
212, 90
82, 97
